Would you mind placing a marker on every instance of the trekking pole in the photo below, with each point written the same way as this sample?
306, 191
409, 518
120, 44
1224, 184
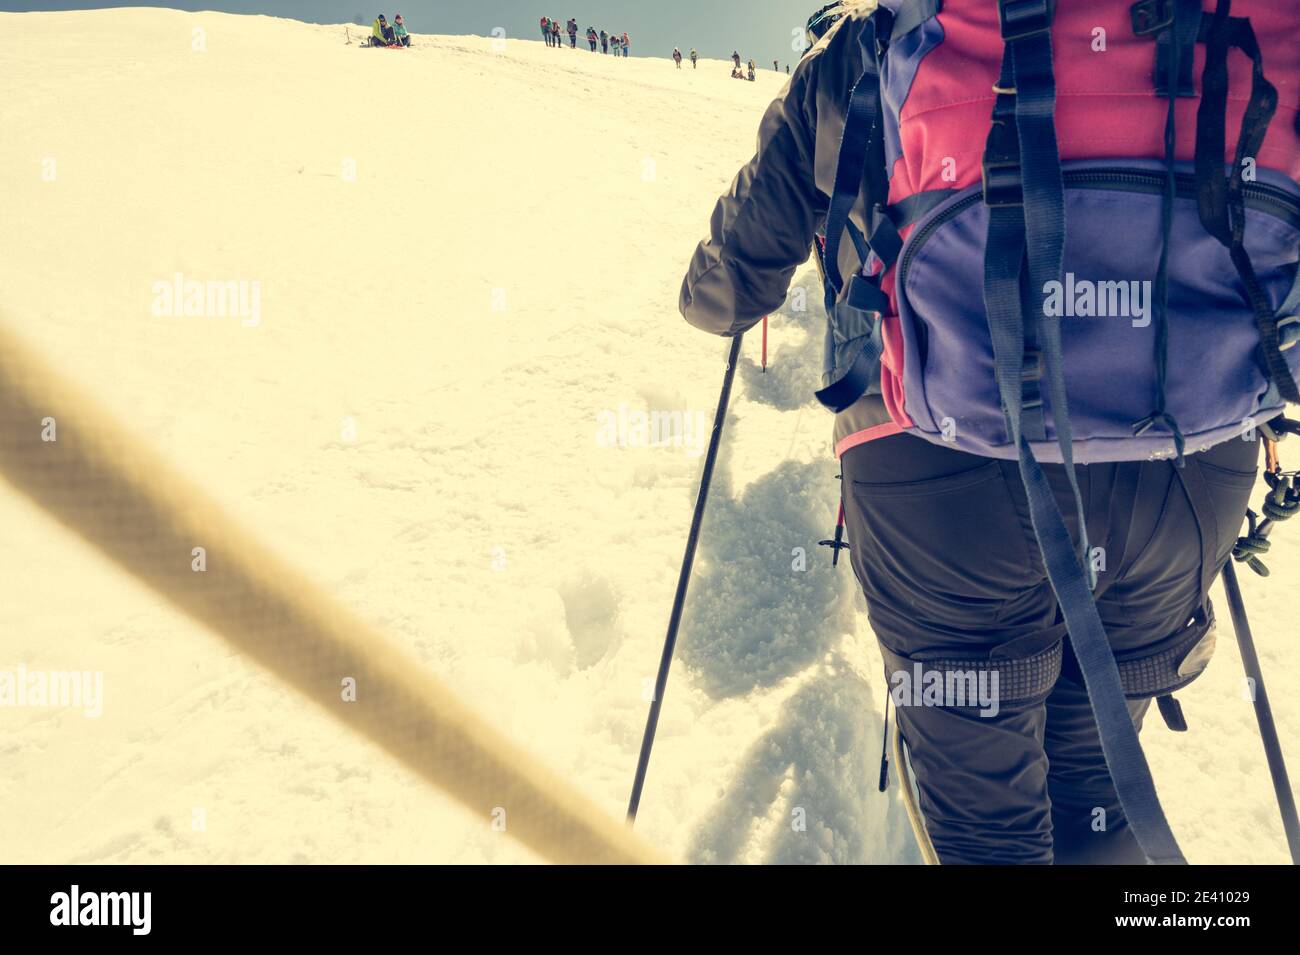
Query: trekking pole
683, 581
1263, 712
764, 344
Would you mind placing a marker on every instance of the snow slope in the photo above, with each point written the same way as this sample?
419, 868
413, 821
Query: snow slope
466, 259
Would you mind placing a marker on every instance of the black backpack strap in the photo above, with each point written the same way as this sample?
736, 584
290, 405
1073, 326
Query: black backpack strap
1158, 18
1026, 220
1003, 189
1175, 25
854, 308
1221, 199
862, 148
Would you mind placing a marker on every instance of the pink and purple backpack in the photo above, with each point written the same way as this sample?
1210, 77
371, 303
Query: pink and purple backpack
1088, 253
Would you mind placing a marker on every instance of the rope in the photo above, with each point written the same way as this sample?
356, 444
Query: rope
910, 803
1281, 504
120, 497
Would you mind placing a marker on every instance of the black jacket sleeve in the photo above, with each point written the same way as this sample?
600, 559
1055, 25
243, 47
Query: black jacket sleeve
762, 229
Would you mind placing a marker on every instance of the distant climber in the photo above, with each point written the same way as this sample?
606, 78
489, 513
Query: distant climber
546, 30
573, 33
604, 41
399, 30
694, 59
677, 57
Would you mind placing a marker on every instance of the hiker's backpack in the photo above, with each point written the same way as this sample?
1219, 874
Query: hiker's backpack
1081, 246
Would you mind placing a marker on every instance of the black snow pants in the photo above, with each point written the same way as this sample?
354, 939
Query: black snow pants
942, 544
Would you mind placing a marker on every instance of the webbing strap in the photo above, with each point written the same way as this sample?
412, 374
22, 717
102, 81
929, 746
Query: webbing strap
913, 208
859, 126
861, 156
1212, 130
1033, 414
1175, 49
1221, 199
1176, 46
859, 243
1038, 229
864, 298
861, 152
1044, 218
1003, 186
1119, 739
853, 384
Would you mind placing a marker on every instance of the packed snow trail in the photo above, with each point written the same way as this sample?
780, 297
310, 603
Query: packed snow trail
466, 260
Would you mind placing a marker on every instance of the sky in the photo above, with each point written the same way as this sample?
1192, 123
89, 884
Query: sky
763, 29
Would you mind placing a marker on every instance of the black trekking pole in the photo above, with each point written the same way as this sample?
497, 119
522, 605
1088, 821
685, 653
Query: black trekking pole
683, 581
1263, 712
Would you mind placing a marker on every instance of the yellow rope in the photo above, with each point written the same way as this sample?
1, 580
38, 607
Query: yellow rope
119, 496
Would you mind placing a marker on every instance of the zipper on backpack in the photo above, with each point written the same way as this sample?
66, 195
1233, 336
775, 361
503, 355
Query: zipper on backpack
1259, 196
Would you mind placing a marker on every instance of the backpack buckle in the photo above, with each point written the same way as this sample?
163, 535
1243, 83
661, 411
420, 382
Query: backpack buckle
1151, 16
1003, 186
1031, 366
1021, 19
1000, 166
1031, 372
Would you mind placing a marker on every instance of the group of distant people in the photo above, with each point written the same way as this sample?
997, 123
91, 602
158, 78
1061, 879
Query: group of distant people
738, 73
384, 34
553, 33
606, 42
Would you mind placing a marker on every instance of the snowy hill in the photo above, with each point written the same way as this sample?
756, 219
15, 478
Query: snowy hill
459, 266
